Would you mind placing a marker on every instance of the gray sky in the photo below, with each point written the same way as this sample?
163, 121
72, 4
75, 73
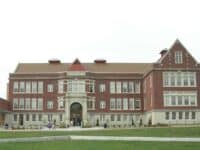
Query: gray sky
117, 30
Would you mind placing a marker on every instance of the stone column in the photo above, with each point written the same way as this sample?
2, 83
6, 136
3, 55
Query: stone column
67, 111
84, 111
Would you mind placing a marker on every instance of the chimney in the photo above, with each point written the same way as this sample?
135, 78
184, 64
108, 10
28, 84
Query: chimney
100, 61
163, 52
54, 61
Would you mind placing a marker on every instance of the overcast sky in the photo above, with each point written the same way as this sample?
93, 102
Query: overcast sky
116, 30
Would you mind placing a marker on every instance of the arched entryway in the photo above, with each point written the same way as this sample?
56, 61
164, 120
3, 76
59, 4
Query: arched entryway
75, 114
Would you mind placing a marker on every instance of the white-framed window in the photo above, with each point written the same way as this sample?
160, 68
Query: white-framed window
60, 86
15, 117
118, 117
178, 57
33, 117
119, 103
91, 86
28, 87
34, 86
167, 115
118, 87
76, 86
131, 88
21, 103
137, 104
180, 115
112, 87
131, 103
102, 87
125, 87
27, 103
137, 87
21, 86
102, 104
91, 104
173, 115
50, 88
15, 86
40, 87
39, 117
193, 115
61, 105
49, 104
15, 103
112, 103
40, 103
187, 114
33, 103
112, 117
125, 103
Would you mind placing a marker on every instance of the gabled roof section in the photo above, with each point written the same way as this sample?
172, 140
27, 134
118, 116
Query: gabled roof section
76, 66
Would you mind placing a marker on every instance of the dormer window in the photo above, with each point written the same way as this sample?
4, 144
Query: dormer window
178, 57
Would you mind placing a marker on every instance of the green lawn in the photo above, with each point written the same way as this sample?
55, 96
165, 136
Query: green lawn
154, 132
100, 145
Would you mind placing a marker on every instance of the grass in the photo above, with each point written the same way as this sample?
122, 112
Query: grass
147, 132
100, 145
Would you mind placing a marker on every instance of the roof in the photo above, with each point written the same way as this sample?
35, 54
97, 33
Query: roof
90, 67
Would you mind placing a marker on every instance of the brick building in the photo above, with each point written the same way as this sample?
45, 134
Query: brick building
165, 92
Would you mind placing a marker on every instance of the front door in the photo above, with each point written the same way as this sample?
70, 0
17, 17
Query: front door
21, 119
76, 114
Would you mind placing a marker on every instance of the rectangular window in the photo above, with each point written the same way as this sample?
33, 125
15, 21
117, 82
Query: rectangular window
15, 117
166, 100
137, 104
21, 103
112, 117
15, 86
50, 88
131, 88
40, 117
90, 104
192, 80
173, 100
40, 104
186, 100
118, 84
27, 103
125, 87
91, 86
180, 100
33, 104
61, 117
185, 79
61, 104
125, 117
193, 100
173, 115
186, 115
76, 86
15, 103
102, 88
166, 79
131, 104
40, 87
172, 79
28, 87
193, 115
49, 104
178, 57
112, 103
27, 117
137, 87
33, 117
50, 117
180, 115
21, 86
118, 117
167, 115
102, 104
119, 103
34, 87
178, 79
125, 103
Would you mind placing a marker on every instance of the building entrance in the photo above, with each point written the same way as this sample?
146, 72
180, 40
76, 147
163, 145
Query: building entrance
75, 114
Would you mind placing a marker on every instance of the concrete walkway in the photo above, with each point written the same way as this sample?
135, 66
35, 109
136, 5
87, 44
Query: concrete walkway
99, 138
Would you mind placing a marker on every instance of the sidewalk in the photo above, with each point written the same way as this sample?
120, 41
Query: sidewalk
98, 138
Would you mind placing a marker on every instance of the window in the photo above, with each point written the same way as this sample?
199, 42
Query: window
118, 117
15, 117
166, 79
112, 117
137, 104
178, 57
15, 86
33, 104
173, 100
118, 84
178, 79
15, 103
125, 103
50, 117
173, 79
137, 87
102, 117
33, 117
125, 87
49, 104
131, 104
40, 103
125, 117
60, 86
90, 104
91, 86
167, 115
61, 117
50, 88
192, 100
180, 115
112, 87
76, 86
166, 100
179, 100
21, 103
34, 87
185, 80
28, 103
186, 100
40, 117
173, 115
40, 87
131, 87
27, 117
102, 88
61, 104
112, 103
102, 104
22, 86
193, 115
119, 103
192, 80
186, 115
28, 87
